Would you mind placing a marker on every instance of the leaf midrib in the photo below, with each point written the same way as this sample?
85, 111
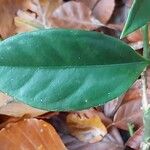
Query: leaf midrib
79, 66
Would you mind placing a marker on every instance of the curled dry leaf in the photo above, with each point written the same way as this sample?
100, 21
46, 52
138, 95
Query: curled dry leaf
86, 126
36, 15
112, 141
111, 107
30, 134
10, 107
136, 139
104, 10
74, 15
8, 9
128, 113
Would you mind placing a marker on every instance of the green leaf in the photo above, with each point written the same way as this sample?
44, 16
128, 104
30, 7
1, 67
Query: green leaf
61, 69
139, 15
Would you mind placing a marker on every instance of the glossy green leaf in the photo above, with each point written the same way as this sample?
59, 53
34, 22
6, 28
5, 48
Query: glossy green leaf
139, 15
61, 69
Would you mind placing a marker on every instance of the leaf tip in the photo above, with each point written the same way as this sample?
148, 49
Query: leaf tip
123, 33
122, 36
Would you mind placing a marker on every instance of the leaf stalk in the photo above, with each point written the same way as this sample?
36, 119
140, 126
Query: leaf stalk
146, 109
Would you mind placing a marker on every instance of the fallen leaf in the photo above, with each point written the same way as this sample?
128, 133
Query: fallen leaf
86, 126
104, 10
135, 36
30, 134
10, 107
89, 3
134, 92
136, 45
5, 119
128, 3
106, 120
111, 107
35, 15
135, 141
117, 27
8, 9
112, 141
119, 15
129, 113
74, 15
59, 123
148, 80
25, 23
53, 4
47, 115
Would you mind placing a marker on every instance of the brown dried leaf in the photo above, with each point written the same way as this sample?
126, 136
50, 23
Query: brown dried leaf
74, 15
134, 92
112, 141
47, 115
135, 36
128, 2
4, 120
90, 3
135, 141
111, 107
8, 9
119, 15
9, 107
128, 113
30, 134
136, 45
148, 80
86, 126
104, 10
26, 25
106, 121
36, 15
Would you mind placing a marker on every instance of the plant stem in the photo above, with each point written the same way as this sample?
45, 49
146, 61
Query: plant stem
146, 108
146, 52
144, 90
131, 127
